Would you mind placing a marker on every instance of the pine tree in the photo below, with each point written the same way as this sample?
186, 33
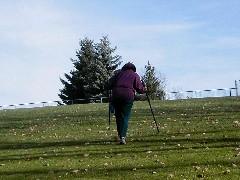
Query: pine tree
94, 65
107, 62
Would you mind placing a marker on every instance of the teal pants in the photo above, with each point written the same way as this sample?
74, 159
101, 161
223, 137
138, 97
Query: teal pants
122, 113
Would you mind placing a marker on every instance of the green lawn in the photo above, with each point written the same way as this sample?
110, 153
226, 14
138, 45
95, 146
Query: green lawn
198, 139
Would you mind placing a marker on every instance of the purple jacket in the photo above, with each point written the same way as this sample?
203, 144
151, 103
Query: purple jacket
125, 83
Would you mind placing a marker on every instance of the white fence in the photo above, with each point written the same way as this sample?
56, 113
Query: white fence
48, 103
169, 96
202, 93
30, 105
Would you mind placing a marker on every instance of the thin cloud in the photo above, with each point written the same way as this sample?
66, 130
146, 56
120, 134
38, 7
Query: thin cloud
34, 24
224, 42
167, 27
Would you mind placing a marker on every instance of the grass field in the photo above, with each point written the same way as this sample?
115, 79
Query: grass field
198, 139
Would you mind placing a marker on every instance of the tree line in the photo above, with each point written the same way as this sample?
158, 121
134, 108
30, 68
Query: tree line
95, 63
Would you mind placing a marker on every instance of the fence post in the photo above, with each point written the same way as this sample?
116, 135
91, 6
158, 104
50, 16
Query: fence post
236, 87
239, 81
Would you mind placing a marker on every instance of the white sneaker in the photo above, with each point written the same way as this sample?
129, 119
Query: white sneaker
122, 140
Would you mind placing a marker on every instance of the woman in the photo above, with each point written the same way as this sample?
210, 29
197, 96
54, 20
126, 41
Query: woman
123, 86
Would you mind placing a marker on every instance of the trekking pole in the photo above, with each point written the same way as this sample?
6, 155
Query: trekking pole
151, 108
152, 111
109, 109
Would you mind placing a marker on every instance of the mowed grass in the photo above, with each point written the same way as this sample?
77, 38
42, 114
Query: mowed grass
198, 139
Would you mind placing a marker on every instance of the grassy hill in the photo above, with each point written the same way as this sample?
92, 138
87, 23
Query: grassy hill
198, 138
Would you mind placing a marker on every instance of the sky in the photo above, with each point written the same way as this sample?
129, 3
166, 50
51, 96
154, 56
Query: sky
195, 44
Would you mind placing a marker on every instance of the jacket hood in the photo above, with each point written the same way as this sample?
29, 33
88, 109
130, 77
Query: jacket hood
129, 66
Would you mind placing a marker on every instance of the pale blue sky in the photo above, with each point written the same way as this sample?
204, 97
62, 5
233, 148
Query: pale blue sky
195, 43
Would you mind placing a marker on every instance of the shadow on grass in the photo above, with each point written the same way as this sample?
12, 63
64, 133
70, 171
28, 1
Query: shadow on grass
146, 141
114, 172
29, 145
183, 144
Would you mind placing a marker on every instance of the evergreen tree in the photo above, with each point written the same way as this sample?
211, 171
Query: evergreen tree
94, 65
156, 85
107, 62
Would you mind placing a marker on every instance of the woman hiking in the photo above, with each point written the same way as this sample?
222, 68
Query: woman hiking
123, 86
